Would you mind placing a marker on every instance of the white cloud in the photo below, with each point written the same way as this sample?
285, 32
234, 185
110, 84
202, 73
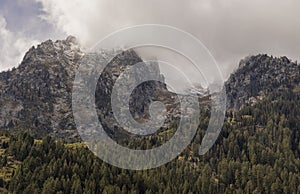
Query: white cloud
12, 46
231, 29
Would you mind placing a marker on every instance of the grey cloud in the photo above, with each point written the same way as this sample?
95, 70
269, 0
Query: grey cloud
231, 29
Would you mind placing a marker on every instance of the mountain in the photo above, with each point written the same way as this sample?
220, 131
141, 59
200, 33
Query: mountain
37, 95
257, 151
258, 76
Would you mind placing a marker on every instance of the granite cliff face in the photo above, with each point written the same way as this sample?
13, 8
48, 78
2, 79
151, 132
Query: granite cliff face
141, 97
37, 95
258, 76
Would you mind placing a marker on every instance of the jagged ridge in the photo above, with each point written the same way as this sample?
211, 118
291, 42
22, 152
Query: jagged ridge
258, 76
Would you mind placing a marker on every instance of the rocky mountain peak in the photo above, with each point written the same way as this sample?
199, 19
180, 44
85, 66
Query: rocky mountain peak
51, 54
36, 96
259, 75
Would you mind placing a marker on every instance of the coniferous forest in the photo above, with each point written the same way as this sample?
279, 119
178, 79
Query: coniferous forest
256, 152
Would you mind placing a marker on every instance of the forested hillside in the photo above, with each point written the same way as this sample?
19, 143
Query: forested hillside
257, 152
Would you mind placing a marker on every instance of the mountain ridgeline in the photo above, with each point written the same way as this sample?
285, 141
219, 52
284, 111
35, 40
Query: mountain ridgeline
37, 95
258, 149
258, 76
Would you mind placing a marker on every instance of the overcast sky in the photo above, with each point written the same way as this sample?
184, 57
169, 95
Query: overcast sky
230, 29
